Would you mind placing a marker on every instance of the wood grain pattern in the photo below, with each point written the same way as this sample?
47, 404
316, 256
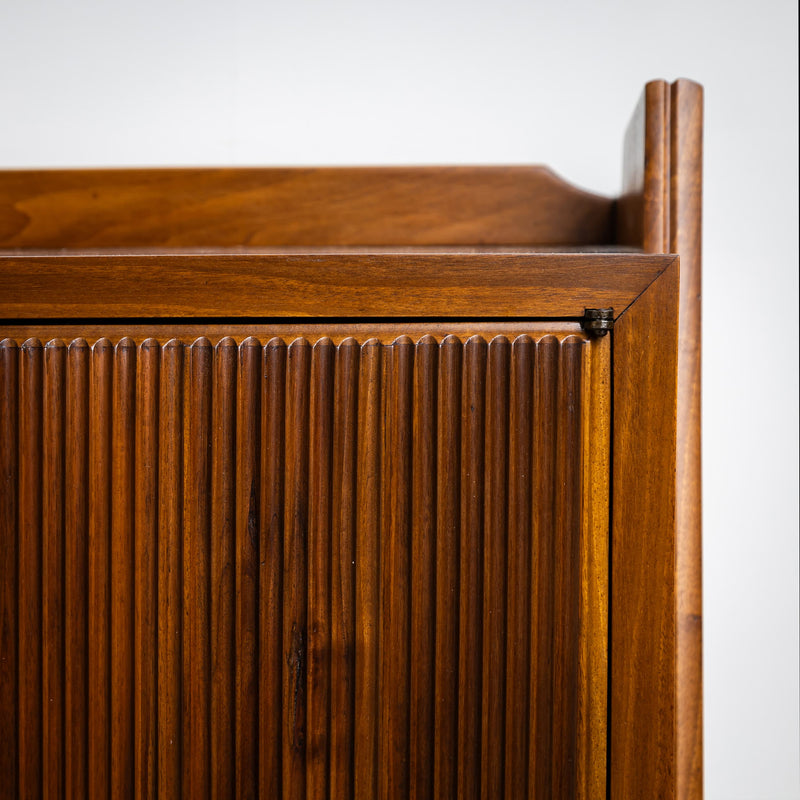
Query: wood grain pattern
271, 602
53, 440
170, 569
122, 563
197, 570
448, 524
518, 612
312, 206
643, 733
323, 284
99, 613
319, 568
146, 571
686, 199
248, 418
422, 584
343, 568
9, 568
300, 560
30, 569
223, 505
367, 575
594, 571
295, 615
661, 211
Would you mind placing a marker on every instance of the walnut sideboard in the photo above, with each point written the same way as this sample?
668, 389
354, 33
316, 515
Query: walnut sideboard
353, 482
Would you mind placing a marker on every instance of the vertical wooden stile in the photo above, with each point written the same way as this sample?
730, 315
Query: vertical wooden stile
593, 660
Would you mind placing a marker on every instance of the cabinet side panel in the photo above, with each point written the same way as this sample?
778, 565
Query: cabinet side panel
686, 196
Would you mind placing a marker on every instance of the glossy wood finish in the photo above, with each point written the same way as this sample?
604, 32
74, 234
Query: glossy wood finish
315, 467
407, 631
643, 715
302, 284
180, 208
661, 211
9, 568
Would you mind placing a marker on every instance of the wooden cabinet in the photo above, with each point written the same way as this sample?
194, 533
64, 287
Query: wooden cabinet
321, 482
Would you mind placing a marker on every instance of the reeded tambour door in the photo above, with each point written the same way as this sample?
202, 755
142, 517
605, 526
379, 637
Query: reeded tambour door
365, 561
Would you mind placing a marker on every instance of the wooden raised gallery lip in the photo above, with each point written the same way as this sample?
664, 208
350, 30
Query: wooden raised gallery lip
317, 481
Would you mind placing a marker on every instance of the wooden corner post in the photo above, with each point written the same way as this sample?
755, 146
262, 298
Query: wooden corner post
661, 211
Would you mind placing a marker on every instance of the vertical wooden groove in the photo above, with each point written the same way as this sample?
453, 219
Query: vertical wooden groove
395, 570
122, 559
343, 555
542, 566
517, 701
566, 618
273, 415
448, 527
319, 568
223, 504
246, 544
9, 547
146, 571
296, 571
196, 571
76, 572
99, 562
295, 638
30, 570
494, 569
367, 570
471, 563
170, 567
423, 569
53, 569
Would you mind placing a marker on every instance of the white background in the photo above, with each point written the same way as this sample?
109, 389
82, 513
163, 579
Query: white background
159, 82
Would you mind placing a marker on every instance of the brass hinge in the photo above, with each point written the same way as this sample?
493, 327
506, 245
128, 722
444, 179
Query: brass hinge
598, 321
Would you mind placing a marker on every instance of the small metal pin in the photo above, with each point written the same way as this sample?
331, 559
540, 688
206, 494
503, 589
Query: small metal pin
598, 321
